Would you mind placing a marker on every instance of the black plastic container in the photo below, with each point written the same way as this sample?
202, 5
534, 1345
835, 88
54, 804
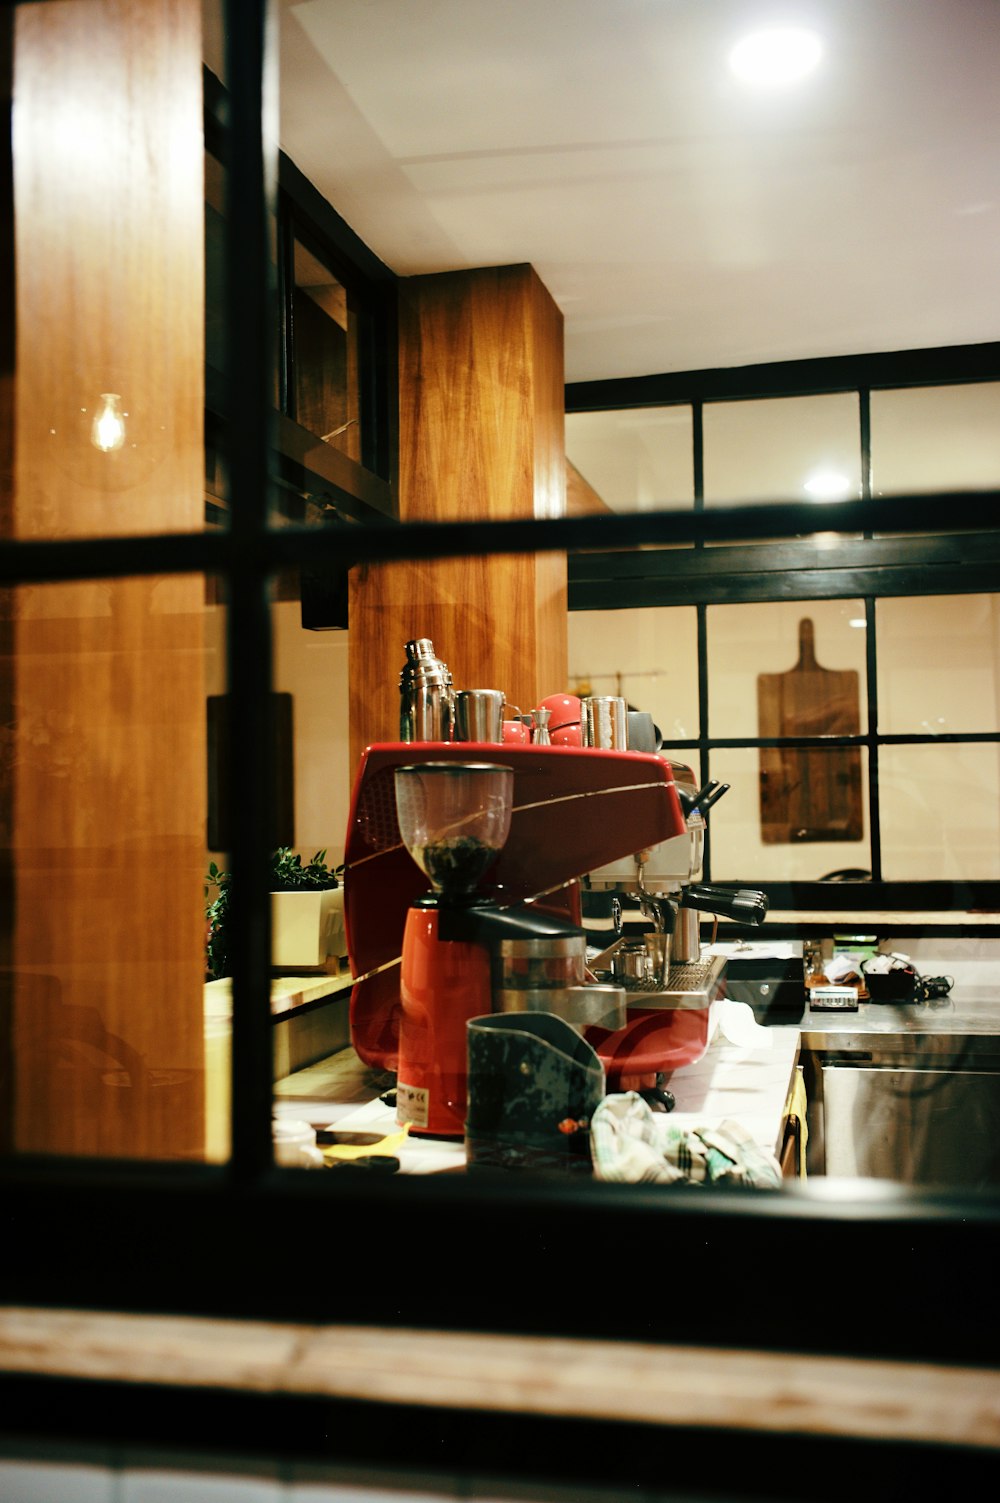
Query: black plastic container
774, 988
899, 985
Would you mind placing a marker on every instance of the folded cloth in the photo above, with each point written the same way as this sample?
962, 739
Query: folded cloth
629, 1143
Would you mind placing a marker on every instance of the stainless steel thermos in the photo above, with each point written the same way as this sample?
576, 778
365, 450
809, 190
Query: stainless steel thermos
605, 722
427, 699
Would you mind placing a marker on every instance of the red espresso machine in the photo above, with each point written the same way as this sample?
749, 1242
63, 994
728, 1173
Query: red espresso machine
570, 810
671, 988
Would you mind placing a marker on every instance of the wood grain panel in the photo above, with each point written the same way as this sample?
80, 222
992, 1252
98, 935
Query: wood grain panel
108, 741
481, 436
641, 1383
809, 794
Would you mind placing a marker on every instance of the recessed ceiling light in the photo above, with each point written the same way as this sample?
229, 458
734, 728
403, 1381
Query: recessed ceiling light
782, 55
827, 485
859, 622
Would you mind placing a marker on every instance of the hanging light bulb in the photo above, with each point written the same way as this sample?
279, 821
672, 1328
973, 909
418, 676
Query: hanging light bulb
107, 431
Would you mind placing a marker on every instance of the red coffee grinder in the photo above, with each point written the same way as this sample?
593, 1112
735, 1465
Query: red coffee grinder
454, 818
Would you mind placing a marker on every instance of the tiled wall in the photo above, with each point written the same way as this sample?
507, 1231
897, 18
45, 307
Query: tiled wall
107, 1476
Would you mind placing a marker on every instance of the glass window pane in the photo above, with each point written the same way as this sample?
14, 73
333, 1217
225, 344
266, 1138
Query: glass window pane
738, 824
324, 341
215, 265
765, 679
940, 810
310, 978
635, 460
932, 438
109, 276
650, 656
213, 37
783, 449
216, 476
938, 664
114, 1046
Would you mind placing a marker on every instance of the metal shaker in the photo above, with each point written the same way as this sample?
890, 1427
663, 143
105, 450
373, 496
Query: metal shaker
426, 703
540, 723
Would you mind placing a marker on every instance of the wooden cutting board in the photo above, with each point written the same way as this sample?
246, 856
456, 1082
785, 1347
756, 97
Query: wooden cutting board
806, 793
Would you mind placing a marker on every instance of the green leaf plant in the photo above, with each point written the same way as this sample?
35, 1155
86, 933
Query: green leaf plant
288, 874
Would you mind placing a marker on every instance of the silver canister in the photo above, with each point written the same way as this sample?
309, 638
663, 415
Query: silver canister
685, 942
479, 714
426, 697
605, 722
641, 731
658, 953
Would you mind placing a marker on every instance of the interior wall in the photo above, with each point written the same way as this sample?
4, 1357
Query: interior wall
311, 666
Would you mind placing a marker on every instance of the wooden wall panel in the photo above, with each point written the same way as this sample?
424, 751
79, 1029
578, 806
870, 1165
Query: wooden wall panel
481, 436
107, 787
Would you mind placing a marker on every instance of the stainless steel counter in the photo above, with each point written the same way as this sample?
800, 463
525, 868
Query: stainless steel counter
908, 1092
969, 1019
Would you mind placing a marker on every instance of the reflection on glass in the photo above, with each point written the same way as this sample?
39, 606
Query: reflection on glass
102, 826
738, 826
648, 655
783, 449
107, 431
215, 213
940, 811
935, 438
108, 276
939, 664
325, 355
639, 459
213, 37
216, 482
764, 680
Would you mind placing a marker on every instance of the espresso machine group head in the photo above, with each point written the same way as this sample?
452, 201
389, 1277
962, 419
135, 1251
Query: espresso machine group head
664, 877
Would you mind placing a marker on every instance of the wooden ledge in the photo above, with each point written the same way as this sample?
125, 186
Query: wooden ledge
553, 1377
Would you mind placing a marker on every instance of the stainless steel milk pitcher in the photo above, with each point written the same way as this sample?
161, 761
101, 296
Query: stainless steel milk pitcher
426, 704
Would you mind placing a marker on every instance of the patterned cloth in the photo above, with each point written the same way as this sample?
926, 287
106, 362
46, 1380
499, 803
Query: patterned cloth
630, 1143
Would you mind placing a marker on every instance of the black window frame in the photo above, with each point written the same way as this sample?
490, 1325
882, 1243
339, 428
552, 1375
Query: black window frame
341, 489
304, 215
477, 1252
863, 568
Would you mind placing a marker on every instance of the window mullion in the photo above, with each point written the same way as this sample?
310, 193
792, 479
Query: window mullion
248, 417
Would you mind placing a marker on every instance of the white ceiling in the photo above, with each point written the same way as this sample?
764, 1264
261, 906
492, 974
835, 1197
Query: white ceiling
679, 219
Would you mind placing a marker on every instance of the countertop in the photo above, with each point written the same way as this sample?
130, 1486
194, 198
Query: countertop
968, 1018
749, 1082
288, 993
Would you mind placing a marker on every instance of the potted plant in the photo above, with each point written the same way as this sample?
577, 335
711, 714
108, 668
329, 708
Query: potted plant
304, 908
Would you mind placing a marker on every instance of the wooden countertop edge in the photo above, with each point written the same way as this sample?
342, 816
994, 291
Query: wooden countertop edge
610, 1381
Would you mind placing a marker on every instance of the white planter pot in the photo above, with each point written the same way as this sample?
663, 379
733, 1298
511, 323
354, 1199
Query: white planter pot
305, 927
